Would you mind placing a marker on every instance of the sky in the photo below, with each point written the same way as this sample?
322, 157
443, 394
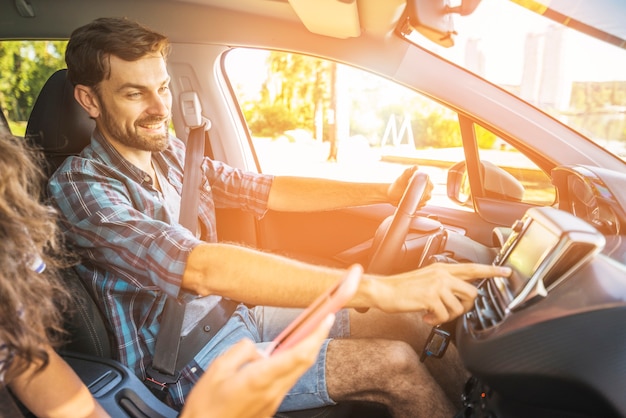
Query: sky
502, 28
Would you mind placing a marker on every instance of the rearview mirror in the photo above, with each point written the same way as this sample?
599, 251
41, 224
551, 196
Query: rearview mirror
497, 183
434, 18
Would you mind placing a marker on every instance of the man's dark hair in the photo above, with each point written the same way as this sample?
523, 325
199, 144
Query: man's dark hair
90, 47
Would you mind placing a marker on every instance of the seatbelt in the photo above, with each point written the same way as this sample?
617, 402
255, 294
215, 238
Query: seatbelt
167, 359
167, 345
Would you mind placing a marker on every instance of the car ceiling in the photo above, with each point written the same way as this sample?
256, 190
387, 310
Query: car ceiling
333, 18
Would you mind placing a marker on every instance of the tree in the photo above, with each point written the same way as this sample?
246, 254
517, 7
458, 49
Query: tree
299, 87
25, 67
295, 89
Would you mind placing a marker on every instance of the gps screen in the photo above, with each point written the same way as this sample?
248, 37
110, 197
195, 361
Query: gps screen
527, 254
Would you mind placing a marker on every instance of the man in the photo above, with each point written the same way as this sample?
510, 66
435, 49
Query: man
120, 199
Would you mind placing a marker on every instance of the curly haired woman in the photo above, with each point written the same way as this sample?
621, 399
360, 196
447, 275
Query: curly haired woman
32, 299
31, 296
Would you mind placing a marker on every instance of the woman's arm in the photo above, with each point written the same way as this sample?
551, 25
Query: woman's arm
55, 391
240, 383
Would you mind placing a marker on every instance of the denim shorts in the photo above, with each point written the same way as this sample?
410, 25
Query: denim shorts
261, 324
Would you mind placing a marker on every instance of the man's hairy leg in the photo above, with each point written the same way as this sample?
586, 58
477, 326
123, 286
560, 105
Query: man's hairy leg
384, 371
448, 371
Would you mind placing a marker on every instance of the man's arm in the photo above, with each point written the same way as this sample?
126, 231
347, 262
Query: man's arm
311, 194
440, 291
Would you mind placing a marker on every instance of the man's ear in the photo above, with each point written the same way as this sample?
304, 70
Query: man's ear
86, 97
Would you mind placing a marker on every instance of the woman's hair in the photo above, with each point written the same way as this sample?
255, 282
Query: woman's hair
31, 302
91, 46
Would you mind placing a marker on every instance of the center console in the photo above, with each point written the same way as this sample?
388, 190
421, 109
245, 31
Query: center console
545, 247
547, 340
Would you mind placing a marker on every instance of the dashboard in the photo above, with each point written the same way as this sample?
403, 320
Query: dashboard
548, 340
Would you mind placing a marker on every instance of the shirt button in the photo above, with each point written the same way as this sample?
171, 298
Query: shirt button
146, 179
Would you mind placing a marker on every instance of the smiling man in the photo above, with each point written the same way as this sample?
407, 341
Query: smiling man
121, 198
132, 107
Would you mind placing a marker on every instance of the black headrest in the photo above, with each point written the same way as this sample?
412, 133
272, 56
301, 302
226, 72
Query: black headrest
57, 123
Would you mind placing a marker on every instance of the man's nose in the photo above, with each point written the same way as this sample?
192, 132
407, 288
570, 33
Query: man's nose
160, 104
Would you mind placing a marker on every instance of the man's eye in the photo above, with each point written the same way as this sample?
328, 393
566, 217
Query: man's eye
164, 89
134, 95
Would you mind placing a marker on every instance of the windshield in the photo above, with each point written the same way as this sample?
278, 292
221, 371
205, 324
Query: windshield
576, 78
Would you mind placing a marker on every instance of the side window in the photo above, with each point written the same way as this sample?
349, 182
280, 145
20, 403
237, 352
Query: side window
534, 186
315, 118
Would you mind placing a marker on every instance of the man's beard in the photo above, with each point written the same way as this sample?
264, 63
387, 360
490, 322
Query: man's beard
130, 137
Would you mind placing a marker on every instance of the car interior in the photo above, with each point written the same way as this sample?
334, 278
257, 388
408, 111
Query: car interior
60, 127
544, 343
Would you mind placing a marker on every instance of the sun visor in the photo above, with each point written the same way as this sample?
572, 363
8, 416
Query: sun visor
336, 18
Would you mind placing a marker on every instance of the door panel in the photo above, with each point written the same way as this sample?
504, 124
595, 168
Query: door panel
320, 237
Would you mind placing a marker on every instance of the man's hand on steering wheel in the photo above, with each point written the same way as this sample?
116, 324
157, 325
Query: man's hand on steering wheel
397, 188
391, 234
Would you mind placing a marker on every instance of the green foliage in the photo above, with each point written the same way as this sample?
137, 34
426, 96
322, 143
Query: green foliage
435, 130
269, 120
595, 109
25, 66
486, 139
17, 128
296, 88
376, 102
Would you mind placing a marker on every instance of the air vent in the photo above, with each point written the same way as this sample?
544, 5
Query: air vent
487, 311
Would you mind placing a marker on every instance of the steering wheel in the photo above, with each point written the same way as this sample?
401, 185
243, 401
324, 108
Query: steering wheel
392, 232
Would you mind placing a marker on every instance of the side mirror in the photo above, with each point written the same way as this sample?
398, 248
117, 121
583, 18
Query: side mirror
434, 18
458, 184
497, 183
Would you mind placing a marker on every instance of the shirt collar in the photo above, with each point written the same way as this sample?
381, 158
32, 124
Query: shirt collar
111, 156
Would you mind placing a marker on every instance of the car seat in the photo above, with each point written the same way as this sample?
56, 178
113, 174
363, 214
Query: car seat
61, 128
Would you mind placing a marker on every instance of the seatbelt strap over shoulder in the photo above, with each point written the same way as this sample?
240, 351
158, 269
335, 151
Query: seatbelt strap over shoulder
192, 179
194, 155
168, 342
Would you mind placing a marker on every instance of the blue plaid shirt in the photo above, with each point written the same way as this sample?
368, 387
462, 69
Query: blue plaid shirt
132, 250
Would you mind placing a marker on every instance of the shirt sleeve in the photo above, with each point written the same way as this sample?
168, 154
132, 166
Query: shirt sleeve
235, 188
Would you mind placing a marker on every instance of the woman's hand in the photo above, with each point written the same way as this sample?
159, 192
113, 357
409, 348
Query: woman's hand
243, 382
